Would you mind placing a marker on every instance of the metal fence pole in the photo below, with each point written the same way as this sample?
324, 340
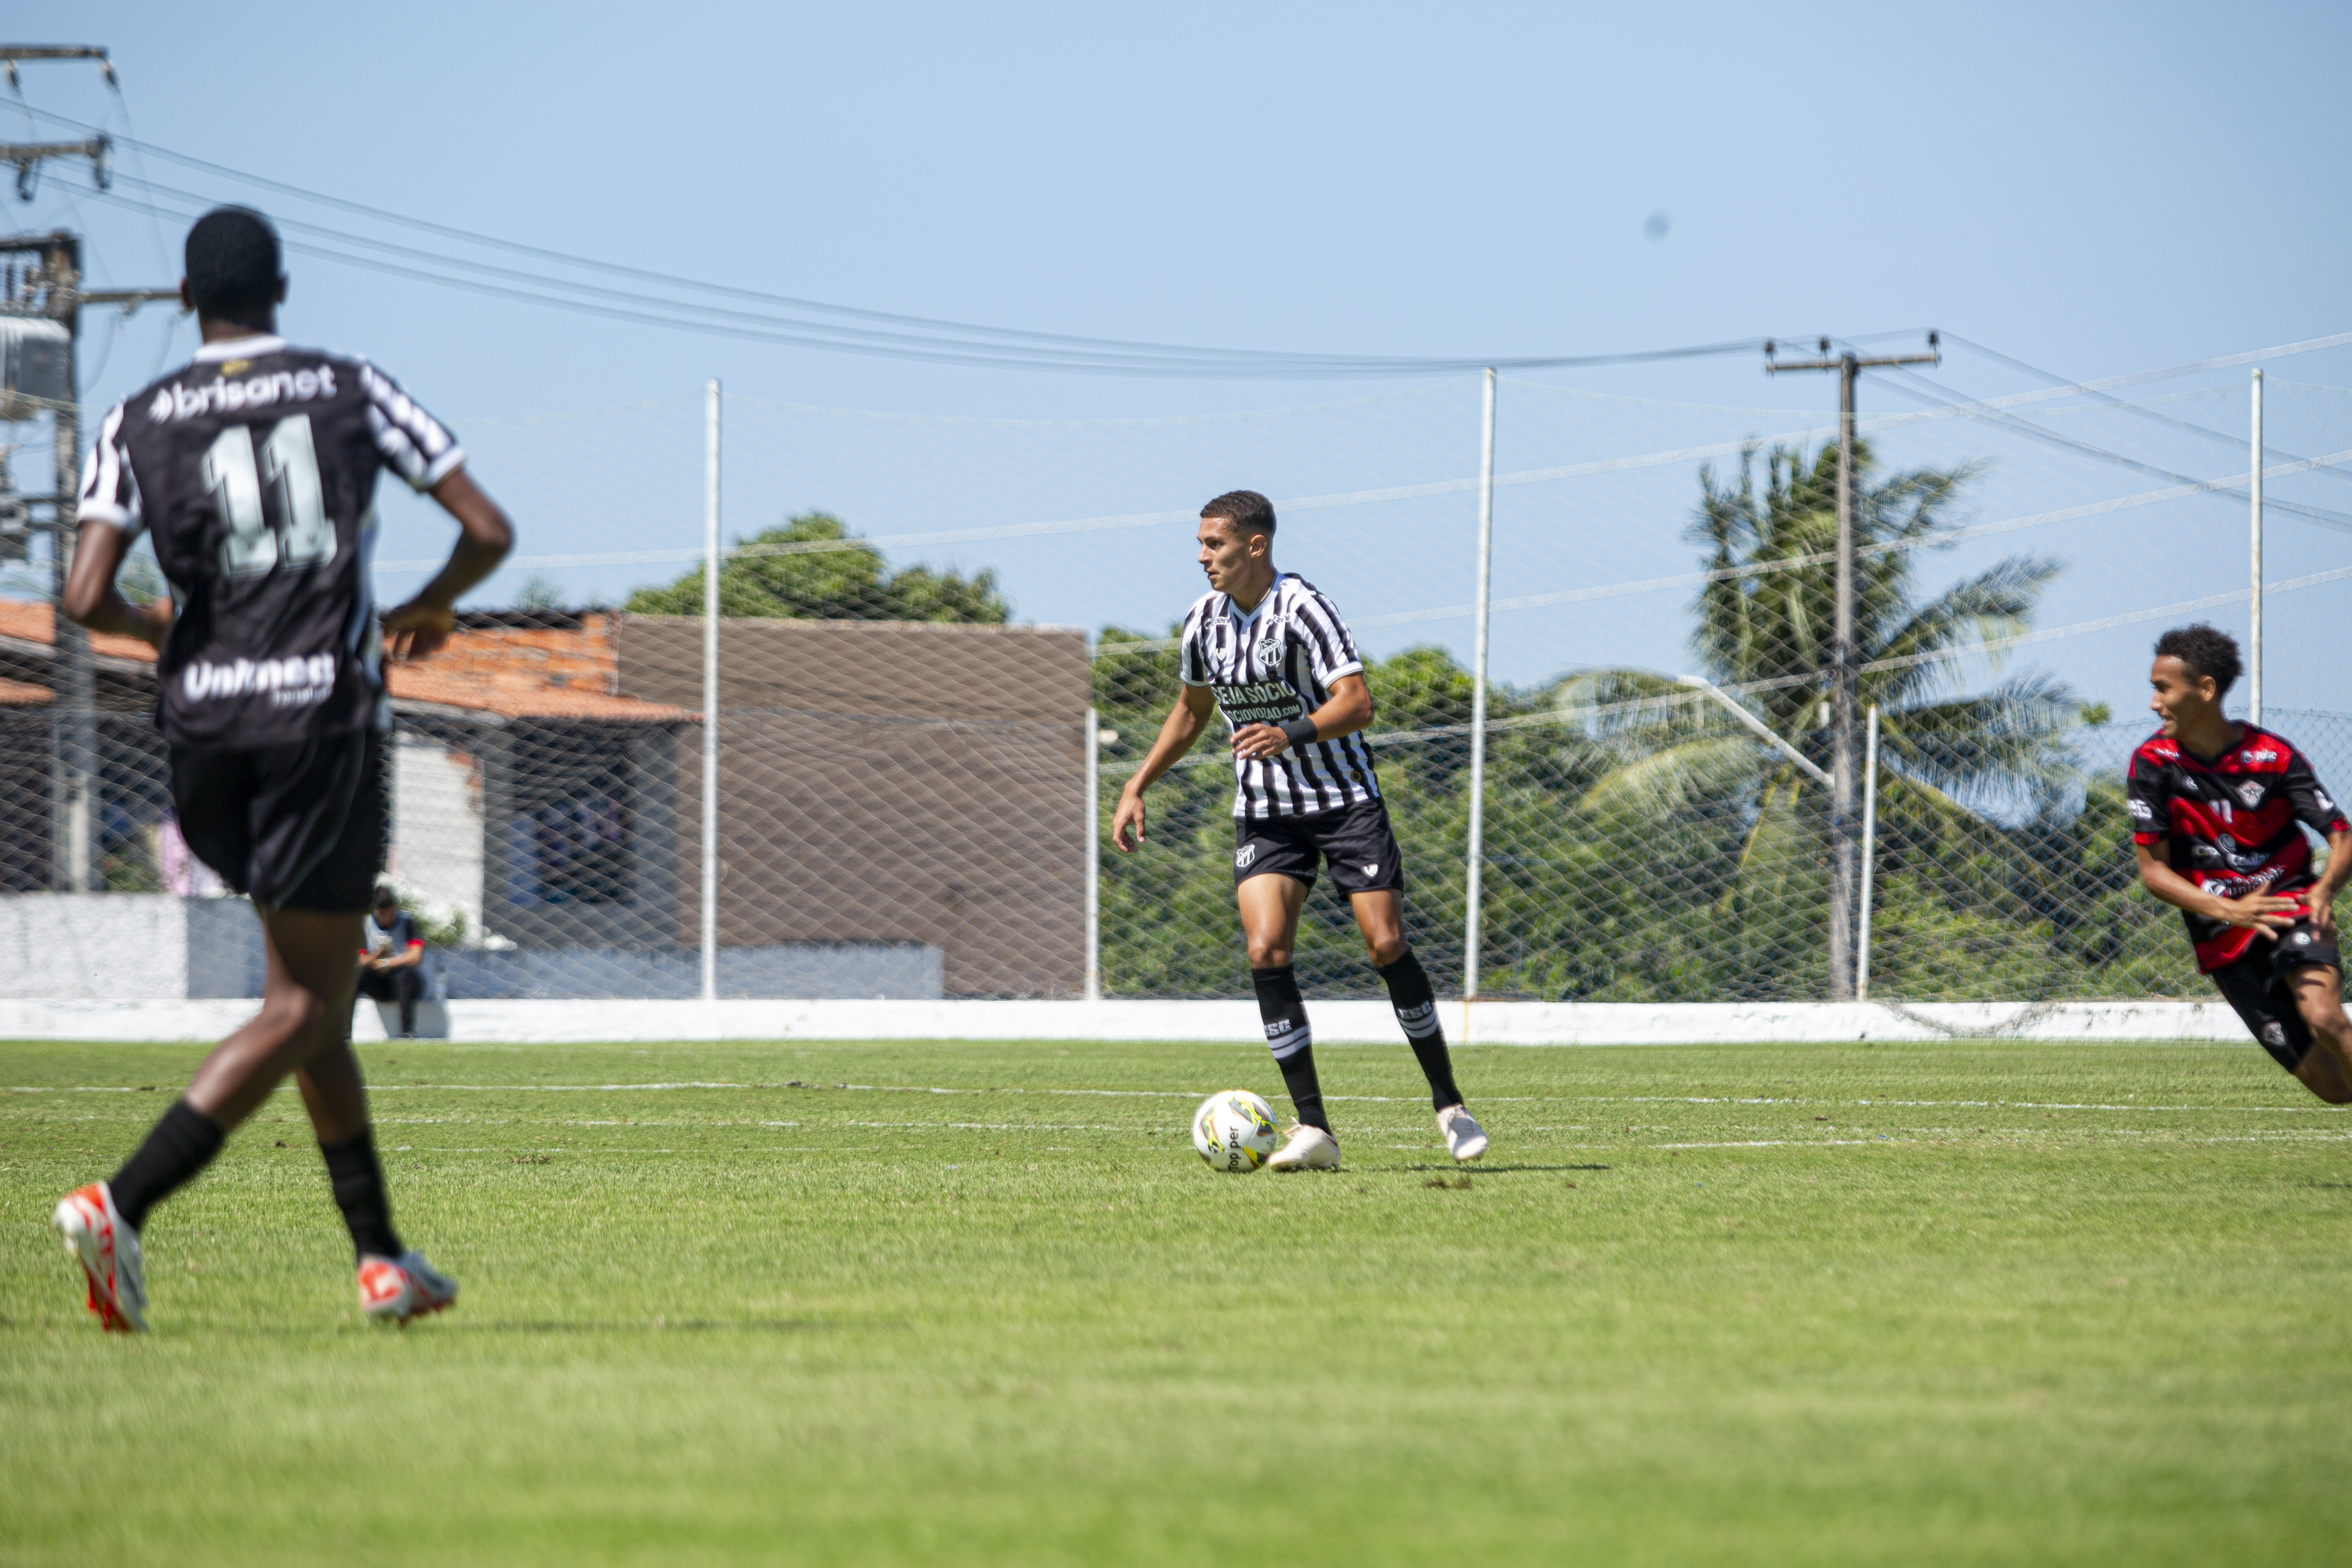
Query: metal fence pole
1869, 858
1478, 850
2255, 642
73, 794
1094, 855
1845, 693
710, 698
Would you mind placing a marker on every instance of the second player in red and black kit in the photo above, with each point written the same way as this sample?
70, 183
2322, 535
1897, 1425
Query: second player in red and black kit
2218, 815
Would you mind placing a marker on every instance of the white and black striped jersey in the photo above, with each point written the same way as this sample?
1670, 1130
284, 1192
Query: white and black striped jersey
254, 468
1277, 663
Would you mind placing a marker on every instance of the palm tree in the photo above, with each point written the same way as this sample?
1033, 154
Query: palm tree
1734, 832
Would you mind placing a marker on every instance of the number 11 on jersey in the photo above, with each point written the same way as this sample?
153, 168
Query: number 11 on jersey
290, 464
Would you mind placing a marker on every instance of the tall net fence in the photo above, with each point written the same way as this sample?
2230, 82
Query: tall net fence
940, 635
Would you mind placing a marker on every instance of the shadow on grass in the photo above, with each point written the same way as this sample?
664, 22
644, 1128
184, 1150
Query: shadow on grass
669, 1326
1497, 1169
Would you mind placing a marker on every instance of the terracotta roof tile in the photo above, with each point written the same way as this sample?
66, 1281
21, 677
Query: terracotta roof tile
517, 673
36, 622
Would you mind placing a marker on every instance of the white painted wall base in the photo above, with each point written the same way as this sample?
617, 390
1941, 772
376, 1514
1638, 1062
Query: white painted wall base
1483, 1023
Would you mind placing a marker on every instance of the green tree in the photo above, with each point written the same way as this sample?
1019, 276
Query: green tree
813, 568
1730, 834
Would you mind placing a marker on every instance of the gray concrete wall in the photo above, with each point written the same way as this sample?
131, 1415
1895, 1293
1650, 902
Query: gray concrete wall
73, 947
897, 972
132, 947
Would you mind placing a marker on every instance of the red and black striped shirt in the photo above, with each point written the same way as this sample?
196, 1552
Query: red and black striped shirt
2230, 824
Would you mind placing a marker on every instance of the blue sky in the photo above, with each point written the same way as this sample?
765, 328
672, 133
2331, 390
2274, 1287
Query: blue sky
2094, 189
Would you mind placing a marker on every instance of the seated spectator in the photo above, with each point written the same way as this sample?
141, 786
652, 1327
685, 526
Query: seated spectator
392, 966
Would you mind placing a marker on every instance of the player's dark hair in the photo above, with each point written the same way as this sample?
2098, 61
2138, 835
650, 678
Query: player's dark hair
1248, 511
234, 265
2205, 650
385, 896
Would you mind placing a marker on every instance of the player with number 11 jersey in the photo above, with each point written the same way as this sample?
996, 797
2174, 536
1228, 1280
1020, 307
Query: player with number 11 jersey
253, 469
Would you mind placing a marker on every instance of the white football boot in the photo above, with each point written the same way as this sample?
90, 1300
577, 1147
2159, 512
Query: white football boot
395, 1290
1465, 1139
108, 1250
1309, 1149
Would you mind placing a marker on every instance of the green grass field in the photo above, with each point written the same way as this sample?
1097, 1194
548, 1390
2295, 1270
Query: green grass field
954, 1303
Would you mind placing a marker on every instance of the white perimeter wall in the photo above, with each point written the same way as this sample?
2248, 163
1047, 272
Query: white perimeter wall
1485, 1023
436, 829
55, 946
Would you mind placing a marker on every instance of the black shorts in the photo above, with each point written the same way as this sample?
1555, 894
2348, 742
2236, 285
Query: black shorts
2256, 986
1355, 838
296, 827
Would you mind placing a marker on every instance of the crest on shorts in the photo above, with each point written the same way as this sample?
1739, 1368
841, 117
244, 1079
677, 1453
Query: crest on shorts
1243, 856
2274, 1034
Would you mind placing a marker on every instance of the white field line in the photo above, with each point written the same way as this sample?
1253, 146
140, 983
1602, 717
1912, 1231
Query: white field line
1897, 1135
1191, 1094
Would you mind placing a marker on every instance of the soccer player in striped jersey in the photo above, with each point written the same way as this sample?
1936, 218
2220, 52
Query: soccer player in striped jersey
1273, 654
2217, 812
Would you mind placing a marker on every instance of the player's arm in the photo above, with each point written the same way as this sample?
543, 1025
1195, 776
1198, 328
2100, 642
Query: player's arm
484, 536
2321, 897
2268, 913
2317, 812
1182, 726
93, 600
408, 957
1348, 710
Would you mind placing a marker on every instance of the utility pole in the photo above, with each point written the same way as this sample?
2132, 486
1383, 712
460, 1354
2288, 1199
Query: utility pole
1846, 661
56, 279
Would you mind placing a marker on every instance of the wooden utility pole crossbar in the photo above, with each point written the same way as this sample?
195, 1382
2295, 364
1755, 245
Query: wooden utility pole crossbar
1846, 660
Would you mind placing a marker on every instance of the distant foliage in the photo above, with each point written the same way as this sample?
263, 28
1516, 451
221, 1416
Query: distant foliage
819, 571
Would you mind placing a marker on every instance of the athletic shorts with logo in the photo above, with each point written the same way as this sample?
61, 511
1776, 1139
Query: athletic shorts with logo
1356, 839
300, 827
2257, 986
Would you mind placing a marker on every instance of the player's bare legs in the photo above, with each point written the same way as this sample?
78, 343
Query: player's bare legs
301, 1030
1269, 907
2326, 1068
1380, 916
335, 1094
312, 962
305, 998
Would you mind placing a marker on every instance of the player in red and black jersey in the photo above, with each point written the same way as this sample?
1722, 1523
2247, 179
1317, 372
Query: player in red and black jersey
2217, 812
253, 469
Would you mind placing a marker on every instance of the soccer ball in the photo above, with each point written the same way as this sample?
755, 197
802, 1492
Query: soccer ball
1234, 1129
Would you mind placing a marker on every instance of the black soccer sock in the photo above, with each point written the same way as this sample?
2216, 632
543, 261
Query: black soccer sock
1293, 1044
182, 1143
357, 1177
1417, 1011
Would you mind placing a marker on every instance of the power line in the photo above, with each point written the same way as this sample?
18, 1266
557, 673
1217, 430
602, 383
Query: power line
919, 337
2225, 437
1904, 380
